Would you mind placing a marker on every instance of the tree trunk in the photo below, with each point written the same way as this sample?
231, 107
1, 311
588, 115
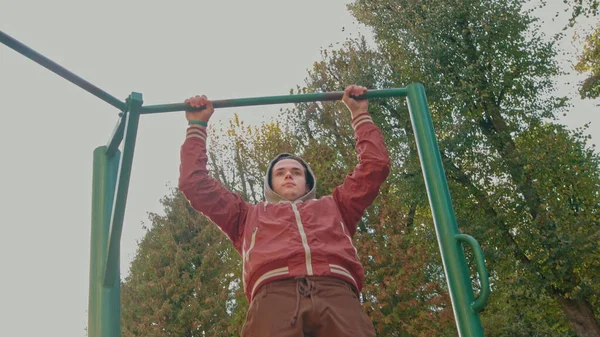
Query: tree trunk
581, 316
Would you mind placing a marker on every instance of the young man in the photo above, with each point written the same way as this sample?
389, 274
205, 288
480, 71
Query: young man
301, 272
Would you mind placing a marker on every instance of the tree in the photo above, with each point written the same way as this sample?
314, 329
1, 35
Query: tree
585, 8
489, 75
184, 278
589, 62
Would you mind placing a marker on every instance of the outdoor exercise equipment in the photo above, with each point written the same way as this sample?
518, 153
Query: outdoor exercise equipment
112, 171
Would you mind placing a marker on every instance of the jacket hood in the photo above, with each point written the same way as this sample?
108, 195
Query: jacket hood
272, 197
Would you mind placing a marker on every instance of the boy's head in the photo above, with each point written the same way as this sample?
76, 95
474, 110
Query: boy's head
290, 177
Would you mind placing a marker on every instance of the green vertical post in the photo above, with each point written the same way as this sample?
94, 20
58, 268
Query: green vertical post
104, 301
110, 186
131, 122
449, 239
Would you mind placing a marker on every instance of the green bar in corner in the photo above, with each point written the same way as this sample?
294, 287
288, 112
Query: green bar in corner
104, 301
453, 257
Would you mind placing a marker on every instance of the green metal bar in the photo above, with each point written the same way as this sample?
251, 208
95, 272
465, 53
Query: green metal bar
483, 274
116, 138
104, 301
60, 71
132, 117
267, 100
455, 264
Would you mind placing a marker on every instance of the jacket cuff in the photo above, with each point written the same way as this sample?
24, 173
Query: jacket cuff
196, 131
361, 118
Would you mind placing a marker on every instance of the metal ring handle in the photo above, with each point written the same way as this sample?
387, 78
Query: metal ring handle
484, 294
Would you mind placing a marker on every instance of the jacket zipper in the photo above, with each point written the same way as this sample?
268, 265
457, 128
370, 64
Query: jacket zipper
254, 231
307, 253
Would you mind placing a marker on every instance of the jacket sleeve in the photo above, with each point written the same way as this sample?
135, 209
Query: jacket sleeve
361, 187
206, 195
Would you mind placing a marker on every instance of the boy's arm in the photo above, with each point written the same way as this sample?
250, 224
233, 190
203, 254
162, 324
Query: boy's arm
361, 187
205, 194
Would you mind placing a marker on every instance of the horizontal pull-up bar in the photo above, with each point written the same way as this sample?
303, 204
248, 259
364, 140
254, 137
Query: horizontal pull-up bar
117, 136
60, 71
297, 98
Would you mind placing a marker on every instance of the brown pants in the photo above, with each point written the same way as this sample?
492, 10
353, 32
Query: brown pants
310, 306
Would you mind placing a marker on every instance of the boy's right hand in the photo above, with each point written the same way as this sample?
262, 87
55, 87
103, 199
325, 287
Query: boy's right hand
199, 102
356, 107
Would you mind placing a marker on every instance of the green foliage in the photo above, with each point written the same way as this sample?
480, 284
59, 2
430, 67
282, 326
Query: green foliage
585, 8
565, 233
589, 62
184, 280
524, 314
489, 76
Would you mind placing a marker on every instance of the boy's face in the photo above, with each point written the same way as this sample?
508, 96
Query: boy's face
288, 179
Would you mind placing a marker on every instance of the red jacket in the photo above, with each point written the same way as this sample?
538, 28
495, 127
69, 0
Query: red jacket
281, 239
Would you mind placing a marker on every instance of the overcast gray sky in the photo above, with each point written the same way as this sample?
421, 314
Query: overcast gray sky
165, 50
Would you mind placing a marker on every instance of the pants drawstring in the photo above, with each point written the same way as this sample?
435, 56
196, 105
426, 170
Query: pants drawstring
305, 288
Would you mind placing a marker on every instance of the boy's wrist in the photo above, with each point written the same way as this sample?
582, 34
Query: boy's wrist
198, 122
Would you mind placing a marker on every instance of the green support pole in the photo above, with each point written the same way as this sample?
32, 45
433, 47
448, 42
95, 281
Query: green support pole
131, 122
104, 301
449, 239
